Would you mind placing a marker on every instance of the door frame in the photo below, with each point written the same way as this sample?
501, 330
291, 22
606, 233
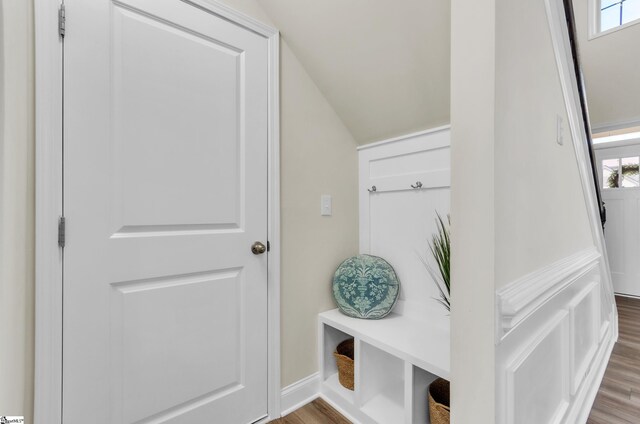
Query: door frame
613, 150
49, 185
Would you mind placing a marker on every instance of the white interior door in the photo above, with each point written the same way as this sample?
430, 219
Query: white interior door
165, 191
619, 179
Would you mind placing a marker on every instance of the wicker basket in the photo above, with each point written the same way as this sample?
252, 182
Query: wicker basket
344, 361
439, 401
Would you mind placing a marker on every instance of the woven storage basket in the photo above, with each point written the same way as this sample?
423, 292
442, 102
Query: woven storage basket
344, 361
439, 401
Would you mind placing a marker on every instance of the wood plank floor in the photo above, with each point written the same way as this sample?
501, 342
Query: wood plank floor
618, 400
316, 412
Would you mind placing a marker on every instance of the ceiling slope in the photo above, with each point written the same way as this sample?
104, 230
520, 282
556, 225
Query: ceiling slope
611, 66
382, 64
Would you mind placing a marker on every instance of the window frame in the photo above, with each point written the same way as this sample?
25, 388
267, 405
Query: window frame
594, 21
619, 158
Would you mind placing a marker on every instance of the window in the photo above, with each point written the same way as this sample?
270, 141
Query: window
615, 13
610, 174
628, 178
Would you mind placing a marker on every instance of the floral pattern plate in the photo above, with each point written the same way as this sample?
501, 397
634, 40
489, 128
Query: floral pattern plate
366, 286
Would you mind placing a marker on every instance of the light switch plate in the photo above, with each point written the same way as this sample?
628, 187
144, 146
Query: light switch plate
559, 130
325, 205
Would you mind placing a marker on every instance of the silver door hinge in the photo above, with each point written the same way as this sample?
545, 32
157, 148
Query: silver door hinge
62, 20
61, 231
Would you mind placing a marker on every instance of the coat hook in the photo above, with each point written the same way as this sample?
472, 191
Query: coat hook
372, 189
418, 185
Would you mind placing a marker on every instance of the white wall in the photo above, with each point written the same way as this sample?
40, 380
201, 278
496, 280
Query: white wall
318, 156
541, 215
555, 313
16, 208
517, 199
610, 64
472, 211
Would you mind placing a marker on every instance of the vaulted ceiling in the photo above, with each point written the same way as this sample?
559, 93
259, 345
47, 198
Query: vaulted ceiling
382, 64
611, 66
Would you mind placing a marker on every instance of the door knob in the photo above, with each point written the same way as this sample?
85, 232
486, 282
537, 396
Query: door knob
258, 248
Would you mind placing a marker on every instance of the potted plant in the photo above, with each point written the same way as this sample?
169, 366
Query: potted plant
440, 248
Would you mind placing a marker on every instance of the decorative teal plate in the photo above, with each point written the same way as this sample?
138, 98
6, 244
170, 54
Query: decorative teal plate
366, 286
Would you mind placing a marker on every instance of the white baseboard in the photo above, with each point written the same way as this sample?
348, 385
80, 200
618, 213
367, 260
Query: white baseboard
300, 393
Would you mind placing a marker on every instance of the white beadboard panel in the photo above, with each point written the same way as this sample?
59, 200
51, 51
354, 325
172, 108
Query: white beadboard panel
401, 226
553, 343
397, 220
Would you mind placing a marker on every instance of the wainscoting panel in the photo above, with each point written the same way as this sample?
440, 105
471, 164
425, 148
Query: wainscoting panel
540, 394
584, 313
403, 183
552, 343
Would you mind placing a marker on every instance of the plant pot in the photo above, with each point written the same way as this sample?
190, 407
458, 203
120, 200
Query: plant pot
439, 401
344, 361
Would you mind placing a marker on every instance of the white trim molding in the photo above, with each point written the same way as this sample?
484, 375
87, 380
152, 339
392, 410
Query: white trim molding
404, 137
273, 230
614, 126
48, 267
300, 393
594, 22
48, 287
519, 299
616, 144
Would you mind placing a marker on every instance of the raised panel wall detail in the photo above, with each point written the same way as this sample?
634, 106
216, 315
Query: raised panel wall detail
584, 313
179, 135
158, 313
552, 343
538, 394
412, 178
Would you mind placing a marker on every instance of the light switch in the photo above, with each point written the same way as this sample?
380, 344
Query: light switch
559, 130
325, 205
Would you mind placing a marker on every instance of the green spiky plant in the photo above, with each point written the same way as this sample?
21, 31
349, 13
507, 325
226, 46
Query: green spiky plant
628, 170
440, 248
